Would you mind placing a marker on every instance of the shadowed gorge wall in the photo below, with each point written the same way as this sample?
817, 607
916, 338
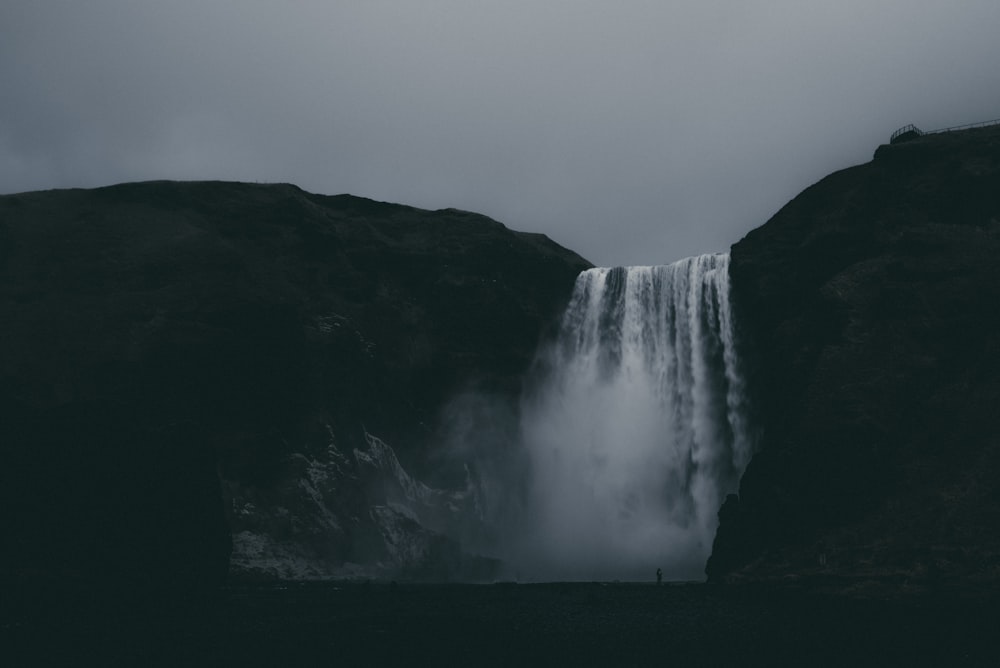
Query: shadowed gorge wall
185, 361
870, 304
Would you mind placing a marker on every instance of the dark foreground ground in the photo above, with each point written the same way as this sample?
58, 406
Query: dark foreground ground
326, 624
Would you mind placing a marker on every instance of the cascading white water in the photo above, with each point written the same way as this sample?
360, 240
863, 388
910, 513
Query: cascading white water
637, 430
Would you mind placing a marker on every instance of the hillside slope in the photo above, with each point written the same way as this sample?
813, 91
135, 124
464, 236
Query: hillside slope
870, 306
185, 361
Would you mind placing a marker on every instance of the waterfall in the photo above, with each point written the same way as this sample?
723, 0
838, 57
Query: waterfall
635, 429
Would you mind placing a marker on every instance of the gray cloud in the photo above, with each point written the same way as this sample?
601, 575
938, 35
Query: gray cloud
635, 132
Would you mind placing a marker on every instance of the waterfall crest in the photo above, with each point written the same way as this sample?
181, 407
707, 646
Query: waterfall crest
637, 429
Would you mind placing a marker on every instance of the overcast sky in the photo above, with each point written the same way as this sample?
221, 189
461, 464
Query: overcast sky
634, 132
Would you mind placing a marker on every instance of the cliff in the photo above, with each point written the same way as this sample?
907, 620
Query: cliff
188, 369
868, 307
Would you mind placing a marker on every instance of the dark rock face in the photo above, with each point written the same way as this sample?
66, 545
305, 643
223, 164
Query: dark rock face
158, 338
869, 305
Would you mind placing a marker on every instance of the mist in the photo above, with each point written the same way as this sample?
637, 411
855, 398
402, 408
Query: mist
629, 434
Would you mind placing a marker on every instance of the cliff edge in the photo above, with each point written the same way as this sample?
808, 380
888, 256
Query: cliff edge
869, 309
193, 369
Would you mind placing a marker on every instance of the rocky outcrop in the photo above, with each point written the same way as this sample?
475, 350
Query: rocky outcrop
182, 362
868, 306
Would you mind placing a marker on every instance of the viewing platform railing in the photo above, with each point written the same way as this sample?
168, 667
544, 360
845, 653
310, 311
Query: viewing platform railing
902, 133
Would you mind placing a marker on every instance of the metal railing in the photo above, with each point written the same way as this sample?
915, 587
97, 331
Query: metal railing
904, 130
955, 128
967, 126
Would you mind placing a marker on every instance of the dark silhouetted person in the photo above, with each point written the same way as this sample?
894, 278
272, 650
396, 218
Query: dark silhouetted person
659, 576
